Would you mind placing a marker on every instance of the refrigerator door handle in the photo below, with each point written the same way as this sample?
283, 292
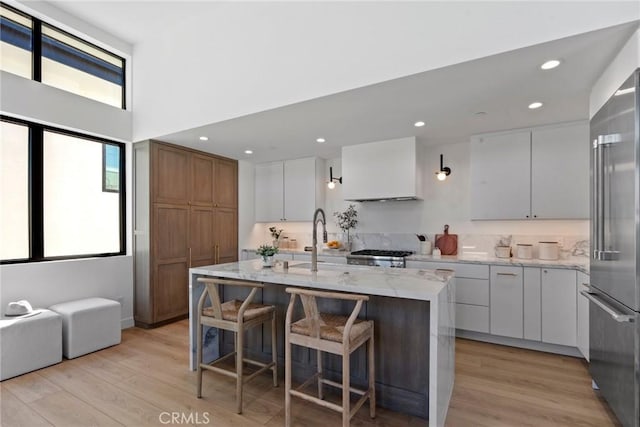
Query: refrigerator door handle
616, 315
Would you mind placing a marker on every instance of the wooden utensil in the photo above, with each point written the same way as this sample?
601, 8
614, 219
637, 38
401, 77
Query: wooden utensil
447, 243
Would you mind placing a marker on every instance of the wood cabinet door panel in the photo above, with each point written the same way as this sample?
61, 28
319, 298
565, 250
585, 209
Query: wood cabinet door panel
226, 183
171, 293
226, 234
201, 229
171, 232
202, 179
171, 175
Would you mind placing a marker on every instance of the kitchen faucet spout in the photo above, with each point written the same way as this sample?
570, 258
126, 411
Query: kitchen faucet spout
318, 216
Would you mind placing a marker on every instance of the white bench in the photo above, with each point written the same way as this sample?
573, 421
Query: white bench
88, 325
29, 342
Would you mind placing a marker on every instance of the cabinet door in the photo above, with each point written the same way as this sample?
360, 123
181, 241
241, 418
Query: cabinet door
506, 314
560, 172
299, 189
559, 306
201, 230
171, 262
226, 235
583, 315
269, 192
226, 183
500, 176
532, 301
202, 178
171, 175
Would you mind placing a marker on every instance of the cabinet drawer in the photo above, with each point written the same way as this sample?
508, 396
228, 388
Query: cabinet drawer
472, 291
471, 271
472, 318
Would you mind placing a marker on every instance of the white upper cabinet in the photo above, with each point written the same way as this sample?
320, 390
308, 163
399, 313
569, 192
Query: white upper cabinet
540, 173
560, 172
500, 176
289, 190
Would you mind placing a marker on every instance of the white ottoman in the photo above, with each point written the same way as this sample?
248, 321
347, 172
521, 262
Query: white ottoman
88, 325
29, 342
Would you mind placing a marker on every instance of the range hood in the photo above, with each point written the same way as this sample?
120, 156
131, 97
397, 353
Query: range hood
381, 171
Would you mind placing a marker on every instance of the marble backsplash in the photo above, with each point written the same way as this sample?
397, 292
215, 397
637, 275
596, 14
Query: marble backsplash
468, 244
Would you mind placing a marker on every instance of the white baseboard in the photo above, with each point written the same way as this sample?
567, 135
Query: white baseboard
126, 323
515, 342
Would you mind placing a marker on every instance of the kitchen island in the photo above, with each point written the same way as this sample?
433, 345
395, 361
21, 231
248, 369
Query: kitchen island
413, 311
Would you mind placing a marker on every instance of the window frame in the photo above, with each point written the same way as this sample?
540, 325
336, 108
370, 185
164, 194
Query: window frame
36, 51
36, 192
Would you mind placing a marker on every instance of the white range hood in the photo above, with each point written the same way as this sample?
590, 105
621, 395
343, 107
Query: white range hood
383, 170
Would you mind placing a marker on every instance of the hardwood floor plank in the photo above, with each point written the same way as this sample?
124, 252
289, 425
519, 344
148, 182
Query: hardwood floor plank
64, 409
30, 387
15, 413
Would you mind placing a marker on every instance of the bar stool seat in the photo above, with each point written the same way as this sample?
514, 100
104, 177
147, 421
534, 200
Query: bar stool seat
334, 334
235, 316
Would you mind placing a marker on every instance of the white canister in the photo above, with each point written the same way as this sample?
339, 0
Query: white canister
524, 251
425, 247
503, 251
548, 250
436, 253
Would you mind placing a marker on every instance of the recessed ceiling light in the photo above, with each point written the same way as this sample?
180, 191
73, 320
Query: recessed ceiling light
419, 124
248, 152
551, 64
480, 113
320, 140
535, 105
204, 138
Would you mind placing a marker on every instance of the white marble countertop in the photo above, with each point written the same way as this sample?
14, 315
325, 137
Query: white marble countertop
323, 252
391, 282
576, 263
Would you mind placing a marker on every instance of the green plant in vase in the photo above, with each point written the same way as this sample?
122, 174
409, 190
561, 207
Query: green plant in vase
267, 252
346, 221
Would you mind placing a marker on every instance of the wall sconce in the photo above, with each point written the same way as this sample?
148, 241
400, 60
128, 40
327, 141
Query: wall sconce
444, 172
332, 184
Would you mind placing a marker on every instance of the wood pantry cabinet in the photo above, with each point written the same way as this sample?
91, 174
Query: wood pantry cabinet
185, 216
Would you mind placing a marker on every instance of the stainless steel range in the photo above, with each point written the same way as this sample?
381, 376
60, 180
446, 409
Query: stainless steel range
379, 258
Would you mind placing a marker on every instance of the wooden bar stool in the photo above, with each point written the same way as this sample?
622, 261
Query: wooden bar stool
333, 334
236, 316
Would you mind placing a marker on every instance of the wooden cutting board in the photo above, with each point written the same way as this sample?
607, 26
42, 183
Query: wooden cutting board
447, 243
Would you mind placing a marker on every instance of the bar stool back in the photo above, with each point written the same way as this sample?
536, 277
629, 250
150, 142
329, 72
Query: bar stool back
236, 316
333, 334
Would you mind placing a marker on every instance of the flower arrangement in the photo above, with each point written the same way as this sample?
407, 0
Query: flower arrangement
266, 250
347, 220
275, 233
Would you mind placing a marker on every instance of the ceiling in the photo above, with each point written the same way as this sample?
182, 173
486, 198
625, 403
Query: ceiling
447, 99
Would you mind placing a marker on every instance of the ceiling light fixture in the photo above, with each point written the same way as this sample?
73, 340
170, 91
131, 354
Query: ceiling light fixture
535, 105
321, 140
248, 152
551, 64
204, 138
444, 171
419, 124
332, 184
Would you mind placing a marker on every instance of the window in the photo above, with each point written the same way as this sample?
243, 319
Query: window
54, 202
60, 59
16, 36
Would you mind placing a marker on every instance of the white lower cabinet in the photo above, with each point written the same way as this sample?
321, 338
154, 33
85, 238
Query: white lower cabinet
532, 304
559, 311
506, 303
472, 317
583, 315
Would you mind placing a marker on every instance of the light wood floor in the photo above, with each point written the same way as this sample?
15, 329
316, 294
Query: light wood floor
141, 380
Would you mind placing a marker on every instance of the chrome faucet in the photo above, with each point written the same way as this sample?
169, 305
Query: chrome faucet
318, 216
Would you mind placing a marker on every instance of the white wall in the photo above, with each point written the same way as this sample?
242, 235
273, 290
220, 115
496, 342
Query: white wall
47, 283
229, 59
620, 68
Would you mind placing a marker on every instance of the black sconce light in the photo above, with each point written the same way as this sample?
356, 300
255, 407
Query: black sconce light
332, 184
444, 172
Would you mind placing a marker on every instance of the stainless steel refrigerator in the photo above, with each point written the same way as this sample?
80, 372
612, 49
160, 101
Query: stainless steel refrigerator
614, 295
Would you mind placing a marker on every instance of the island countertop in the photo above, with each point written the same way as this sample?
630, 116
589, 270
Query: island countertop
409, 283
